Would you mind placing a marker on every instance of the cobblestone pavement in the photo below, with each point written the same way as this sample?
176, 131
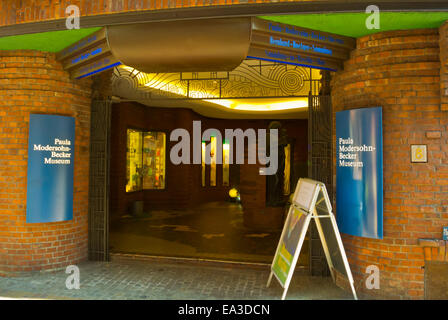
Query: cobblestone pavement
156, 280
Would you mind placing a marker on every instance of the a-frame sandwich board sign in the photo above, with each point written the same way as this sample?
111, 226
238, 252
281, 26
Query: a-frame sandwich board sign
310, 201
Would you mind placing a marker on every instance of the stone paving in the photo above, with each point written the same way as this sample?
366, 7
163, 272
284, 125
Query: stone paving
166, 280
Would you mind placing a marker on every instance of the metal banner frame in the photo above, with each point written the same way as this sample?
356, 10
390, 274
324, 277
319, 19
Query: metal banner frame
313, 214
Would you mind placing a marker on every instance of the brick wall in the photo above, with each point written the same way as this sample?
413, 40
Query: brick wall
443, 43
400, 71
34, 82
22, 11
177, 193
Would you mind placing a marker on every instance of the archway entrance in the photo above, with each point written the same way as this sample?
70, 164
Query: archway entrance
187, 210
275, 64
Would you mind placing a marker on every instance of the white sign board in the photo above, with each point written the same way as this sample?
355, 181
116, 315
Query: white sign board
310, 201
303, 195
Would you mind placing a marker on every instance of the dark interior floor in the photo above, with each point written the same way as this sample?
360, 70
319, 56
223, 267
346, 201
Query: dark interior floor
210, 231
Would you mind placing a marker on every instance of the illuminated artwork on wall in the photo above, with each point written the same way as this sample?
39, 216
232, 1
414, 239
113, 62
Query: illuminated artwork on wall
145, 166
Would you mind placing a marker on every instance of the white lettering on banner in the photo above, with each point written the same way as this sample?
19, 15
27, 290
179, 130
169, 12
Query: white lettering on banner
59, 150
347, 152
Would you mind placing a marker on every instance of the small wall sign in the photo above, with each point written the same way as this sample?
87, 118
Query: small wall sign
445, 233
419, 153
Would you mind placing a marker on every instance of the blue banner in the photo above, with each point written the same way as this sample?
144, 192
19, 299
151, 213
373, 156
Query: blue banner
359, 172
51, 148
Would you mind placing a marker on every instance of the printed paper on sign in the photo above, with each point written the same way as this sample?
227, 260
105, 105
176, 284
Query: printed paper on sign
303, 196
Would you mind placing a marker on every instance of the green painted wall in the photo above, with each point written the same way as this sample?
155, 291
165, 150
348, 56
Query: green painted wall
353, 24
48, 41
347, 24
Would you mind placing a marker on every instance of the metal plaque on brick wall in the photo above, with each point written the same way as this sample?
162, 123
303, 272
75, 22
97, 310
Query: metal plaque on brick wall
51, 147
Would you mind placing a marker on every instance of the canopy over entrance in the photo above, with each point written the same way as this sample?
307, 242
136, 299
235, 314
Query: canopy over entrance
204, 45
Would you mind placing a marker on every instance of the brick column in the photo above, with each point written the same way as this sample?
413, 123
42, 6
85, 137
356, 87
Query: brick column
34, 82
443, 43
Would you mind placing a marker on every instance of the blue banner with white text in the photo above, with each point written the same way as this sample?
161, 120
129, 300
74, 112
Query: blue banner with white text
359, 172
51, 147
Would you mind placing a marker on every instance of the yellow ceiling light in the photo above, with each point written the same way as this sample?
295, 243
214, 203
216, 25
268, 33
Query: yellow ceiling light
261, 104
163, 83
131, 70
167, 87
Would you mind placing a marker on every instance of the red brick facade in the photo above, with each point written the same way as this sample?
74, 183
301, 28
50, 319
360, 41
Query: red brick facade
405, 72
443, 42
34, 82
399, 71
22, 11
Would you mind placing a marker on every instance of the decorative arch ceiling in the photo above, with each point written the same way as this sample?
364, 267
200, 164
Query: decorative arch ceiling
251, 79
255, 89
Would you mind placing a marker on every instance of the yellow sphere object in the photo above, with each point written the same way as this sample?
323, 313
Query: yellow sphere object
233, 193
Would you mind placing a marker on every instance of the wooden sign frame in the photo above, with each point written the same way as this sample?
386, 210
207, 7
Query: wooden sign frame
312, 213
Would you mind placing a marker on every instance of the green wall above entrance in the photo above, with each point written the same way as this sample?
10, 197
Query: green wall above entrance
346, 24
53, 41
353, 24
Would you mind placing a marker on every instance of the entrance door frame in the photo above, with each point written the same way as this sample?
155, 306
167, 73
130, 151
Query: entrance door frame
320, 163
319, 133
99, 175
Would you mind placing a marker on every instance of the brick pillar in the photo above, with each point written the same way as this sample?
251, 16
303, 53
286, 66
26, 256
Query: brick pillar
443, 43
34, 82
399, 71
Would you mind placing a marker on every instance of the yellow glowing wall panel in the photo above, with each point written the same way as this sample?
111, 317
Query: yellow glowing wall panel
213, 162
134, 161
203, 164
225, 164
154, 160
287, 172
145, 166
